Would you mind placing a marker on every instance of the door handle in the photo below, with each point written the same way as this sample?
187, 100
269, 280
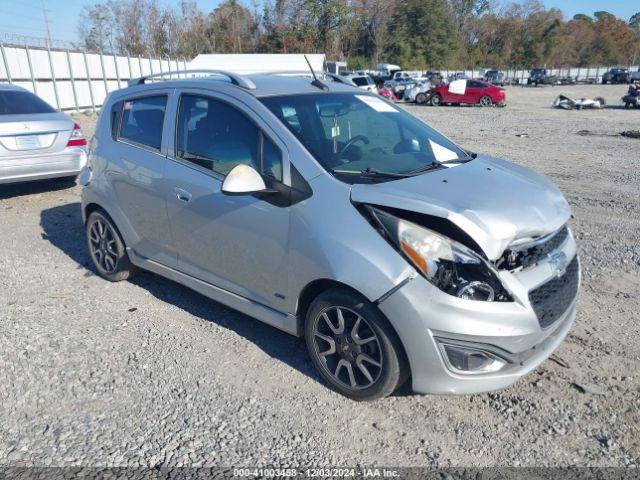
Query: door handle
182, 195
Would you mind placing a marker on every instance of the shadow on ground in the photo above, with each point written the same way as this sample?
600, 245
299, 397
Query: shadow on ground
63, 227
34, 187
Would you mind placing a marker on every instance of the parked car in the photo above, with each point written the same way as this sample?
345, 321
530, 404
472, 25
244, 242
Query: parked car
36, 141
401, 79
363, 81
419, 92
496, 77
332, 214
385, 92
385, 72
457, 76
634, 77
616, 75
474, 92
540, 76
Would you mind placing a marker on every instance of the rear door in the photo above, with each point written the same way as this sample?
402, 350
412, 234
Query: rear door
137, 173
30, 126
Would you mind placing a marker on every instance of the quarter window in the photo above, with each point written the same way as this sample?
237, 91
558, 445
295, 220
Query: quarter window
216, 136
142, 120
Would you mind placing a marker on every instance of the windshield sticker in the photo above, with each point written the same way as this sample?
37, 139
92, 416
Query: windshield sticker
335, 131
377, 104
442, 154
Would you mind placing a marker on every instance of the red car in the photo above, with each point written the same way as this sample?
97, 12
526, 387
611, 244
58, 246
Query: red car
385, 92
476, 92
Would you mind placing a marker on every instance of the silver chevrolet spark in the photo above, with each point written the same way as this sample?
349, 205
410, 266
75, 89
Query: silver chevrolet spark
330, 213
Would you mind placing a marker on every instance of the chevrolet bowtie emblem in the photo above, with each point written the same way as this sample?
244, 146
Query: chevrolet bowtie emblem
558, 263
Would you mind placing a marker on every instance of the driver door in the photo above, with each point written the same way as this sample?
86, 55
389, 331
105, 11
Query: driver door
238, 243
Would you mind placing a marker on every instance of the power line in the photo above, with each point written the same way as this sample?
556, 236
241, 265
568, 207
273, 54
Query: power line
27, 5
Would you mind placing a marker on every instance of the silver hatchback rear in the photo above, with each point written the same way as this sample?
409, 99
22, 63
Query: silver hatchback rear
332, 214
36, 141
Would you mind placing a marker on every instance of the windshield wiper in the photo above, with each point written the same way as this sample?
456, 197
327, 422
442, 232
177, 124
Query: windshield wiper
426, 168
435, 165
455, 160
371, 172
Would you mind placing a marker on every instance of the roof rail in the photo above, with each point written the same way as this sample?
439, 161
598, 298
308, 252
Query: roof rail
236, 79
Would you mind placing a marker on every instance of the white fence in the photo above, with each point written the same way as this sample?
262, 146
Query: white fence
75, 80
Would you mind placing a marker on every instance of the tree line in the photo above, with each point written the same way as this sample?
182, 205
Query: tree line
417, 34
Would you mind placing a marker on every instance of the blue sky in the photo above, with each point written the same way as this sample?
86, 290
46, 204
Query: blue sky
25, 17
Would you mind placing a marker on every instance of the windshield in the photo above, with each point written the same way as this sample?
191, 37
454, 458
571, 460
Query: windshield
352, 133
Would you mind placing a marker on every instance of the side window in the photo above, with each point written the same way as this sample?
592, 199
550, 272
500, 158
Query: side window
216, 136
142, 120
271, 160
116, 115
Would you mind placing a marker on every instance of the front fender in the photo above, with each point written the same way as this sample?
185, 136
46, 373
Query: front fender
330, 239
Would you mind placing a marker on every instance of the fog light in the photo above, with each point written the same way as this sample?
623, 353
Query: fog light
480, 291
466, 360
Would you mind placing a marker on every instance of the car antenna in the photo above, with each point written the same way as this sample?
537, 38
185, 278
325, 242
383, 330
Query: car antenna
316, 82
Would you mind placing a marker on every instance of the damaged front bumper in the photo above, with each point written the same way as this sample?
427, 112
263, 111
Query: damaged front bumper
506, 339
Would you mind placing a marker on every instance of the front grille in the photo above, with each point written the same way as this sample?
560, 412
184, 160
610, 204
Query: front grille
552, 299
522, 257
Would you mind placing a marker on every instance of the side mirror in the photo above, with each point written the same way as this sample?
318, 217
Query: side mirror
244, 180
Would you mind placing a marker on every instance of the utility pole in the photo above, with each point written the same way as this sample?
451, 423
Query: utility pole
46, 24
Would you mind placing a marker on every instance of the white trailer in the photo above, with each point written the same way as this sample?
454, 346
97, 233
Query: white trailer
251, 63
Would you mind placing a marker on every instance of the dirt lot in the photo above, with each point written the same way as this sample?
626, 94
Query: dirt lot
149, 373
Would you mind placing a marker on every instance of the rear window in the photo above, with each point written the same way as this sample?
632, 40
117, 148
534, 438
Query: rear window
142, 120
16, 102
360, 81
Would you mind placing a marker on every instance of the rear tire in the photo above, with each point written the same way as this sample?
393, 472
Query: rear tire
353, 346
436, 100
486, 101
107, 249
421, 99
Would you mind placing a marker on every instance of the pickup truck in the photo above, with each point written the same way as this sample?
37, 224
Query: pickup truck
541, 76
616, 75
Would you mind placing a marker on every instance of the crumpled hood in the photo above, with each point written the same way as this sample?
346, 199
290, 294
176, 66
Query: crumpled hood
495, 202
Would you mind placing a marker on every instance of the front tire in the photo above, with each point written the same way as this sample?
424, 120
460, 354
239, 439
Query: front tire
353, 346
421, 99
436, 100
107, 249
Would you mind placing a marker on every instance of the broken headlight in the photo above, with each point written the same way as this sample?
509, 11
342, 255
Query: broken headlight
452, 267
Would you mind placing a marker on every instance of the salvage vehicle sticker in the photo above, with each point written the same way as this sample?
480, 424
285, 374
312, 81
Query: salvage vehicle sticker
377, 104
442, 154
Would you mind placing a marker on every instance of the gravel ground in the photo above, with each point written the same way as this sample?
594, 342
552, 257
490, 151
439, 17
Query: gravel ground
150, 373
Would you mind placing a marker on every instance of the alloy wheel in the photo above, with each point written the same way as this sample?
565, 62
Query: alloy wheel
102, 241
348, 347
485, 101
